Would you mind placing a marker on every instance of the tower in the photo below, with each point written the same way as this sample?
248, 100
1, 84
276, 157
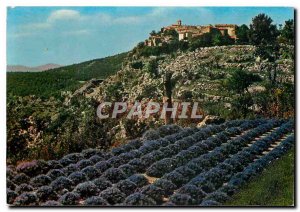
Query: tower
179, 22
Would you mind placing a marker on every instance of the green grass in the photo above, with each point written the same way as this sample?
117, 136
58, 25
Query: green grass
274, 187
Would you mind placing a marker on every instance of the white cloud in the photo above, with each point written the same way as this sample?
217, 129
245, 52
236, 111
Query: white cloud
71, 20
64, 15
77, 32
21, 34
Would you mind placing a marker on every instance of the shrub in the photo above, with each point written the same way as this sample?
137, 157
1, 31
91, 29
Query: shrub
113, 195
102, 183
54, 164
69, 169
185, 171
115, 161
118, 150
226, 167
95, 159
139, 180
65, 161
10, 172
149, 146
161, 167
127, 156
173, 138
166, 151
29, 168
210, 203
102, 166
21, 178
182, 157
217, 196
114, 175
228, 189
69, 198
154, 192
203, 146
61, 183
40, 180
222, 137
10, 185
169, 204
139, 199
51, 203
25, 199
77, 177
163, 142
126, 186
192, 190
10, 196
167, 186
194, 166
106, 155
216, 176
208, 187
91, 172
174, 148
185, 142
84, 163
182, 199
133, 144
151, 157
87, 153
127, 169
46, 193
176, 178
95, 200
74, 157
196, 150
86, 189
203, 161
24, 188
151, 135
55, 173
168, 130
138, 165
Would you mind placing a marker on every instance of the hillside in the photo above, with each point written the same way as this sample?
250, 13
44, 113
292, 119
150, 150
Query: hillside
67, 78
42, 128
199, 75
20, 68
184, 167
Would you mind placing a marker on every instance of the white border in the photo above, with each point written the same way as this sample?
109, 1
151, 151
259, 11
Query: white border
5, 3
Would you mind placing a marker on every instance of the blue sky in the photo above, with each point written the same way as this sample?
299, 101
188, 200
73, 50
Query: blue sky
67, 35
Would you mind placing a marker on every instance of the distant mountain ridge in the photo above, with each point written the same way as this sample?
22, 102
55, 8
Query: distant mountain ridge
20, 68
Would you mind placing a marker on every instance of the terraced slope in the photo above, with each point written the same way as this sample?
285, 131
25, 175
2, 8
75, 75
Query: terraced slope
194, 166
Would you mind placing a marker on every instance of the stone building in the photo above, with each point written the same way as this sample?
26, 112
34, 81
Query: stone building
186, 32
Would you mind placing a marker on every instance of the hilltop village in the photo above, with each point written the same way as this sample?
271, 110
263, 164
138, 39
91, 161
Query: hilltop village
186, 32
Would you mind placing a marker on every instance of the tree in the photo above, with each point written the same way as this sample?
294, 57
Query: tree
288, 32
201, 41
241, 80
242, 33
217, 39
239, 83
171, 32
262, 31
152, 67
140, 45
168, 87
241, 106
152, 33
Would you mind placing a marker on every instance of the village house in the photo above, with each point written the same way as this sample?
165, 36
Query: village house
186, 32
